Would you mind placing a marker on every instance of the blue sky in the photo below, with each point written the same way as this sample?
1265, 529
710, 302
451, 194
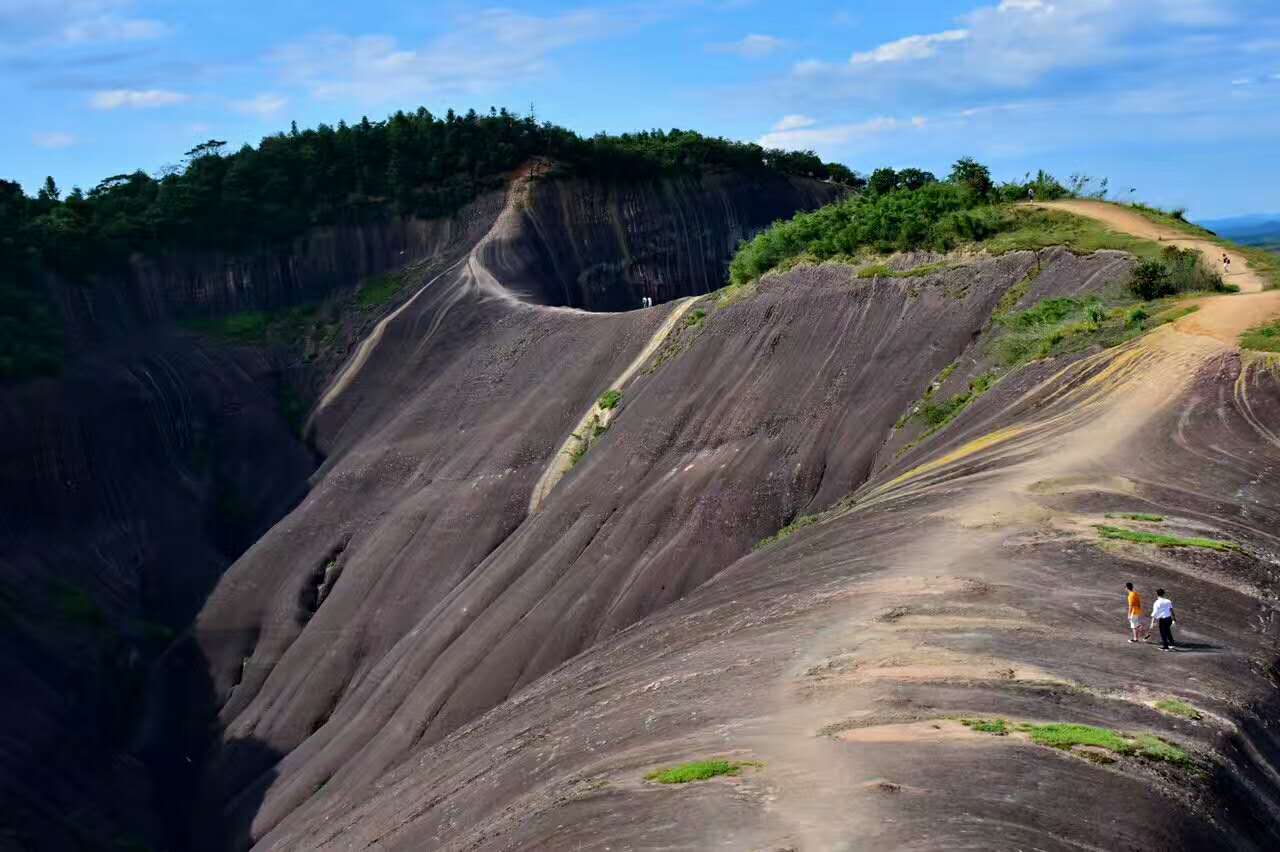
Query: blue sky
1179, 99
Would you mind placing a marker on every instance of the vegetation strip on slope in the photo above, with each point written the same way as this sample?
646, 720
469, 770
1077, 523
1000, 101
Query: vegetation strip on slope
1160, 540
698, 770
1066, 736
602, 411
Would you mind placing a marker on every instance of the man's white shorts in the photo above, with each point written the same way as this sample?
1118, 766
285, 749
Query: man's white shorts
1135, 621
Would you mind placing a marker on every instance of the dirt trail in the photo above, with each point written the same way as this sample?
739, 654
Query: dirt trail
1090, 413
1135, 224
563, 460
1223, 318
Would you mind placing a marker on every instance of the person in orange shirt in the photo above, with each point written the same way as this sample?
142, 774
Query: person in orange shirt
1135, 613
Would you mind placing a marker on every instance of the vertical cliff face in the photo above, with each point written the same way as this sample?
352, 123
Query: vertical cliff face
130, 484
601, 246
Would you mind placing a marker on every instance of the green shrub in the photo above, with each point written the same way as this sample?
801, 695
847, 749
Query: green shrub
695, 318
898, 219
1151, 281
609, 399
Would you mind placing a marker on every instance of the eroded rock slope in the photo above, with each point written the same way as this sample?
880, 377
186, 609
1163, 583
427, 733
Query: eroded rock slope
511, 689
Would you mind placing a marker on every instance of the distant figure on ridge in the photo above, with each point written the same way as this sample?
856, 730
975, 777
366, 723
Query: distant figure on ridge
1226, 263
1135, 612
1031, 193
1162, 617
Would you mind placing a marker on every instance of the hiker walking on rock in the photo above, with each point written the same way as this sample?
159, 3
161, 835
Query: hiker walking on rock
1162, 617
1135, 612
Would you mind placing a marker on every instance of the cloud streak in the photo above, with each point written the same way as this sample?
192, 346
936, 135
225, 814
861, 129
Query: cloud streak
111, 99
752, 46
53, 140
485, 52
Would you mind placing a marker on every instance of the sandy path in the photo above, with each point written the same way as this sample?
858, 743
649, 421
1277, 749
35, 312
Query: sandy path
1135, 224
562, 462
1223, 318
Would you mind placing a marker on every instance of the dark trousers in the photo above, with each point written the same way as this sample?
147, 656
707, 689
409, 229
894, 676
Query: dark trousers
1166, 632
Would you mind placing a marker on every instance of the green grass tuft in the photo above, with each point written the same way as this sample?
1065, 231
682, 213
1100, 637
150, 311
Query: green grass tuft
1154, 748
1160, 540
987, 726
1137, 516
1064, 735
695, 318
937, 415
790, 529
876, 270
244, 327
1262, 338
1175, 707
698, 770
379, 290
609, 399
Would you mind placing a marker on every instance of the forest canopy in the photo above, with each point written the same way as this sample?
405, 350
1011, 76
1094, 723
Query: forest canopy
410, 164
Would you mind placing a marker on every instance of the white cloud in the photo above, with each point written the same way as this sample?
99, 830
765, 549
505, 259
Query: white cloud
1241, 81
751, 47
75, 22
136, 99
485, 52
264, 105
53, 140
1017, 43
910, 48
836, 134
794, 122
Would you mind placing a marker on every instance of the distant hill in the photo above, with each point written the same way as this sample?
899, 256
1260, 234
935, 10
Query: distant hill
1256, 229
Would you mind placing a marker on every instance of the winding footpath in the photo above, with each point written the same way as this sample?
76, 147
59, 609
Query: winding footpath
1221, 317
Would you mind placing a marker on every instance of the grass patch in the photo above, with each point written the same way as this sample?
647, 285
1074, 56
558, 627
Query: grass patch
1137, 516
609, 399
937, 415
875, 270
1161, 540
999, 727
695, 318
789, 530
378, 290
1262, 338
75, 605
1175, 707
1032, 229
1066, 736
698, 770
245, 327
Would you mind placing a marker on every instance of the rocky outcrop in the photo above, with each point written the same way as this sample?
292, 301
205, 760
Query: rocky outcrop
129, 485
602, 246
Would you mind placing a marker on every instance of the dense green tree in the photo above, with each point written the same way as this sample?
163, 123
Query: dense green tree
410, 164
973, 174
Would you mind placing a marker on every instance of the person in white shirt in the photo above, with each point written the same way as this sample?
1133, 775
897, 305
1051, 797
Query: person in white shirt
1162, 617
